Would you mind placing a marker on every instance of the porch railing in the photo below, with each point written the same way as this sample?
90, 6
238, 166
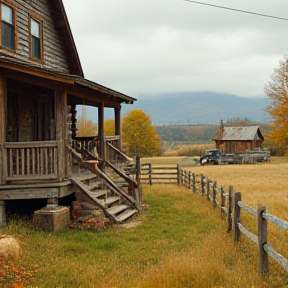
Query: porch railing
88, 145
30, 160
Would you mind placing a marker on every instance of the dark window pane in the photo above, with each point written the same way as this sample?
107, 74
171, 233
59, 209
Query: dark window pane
35, 48
8, 36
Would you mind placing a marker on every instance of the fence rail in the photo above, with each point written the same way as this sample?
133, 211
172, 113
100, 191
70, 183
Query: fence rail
230, 204
159, 174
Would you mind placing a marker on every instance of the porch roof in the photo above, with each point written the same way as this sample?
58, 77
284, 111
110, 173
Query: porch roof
36, 69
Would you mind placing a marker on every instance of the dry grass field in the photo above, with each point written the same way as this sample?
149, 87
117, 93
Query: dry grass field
260, 184
179, 240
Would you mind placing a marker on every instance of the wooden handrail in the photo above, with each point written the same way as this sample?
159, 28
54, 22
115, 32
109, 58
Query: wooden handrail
119, 152
34, 144
92, 166
132, 184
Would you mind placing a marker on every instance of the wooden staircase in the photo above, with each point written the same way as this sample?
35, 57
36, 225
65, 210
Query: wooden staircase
96, 190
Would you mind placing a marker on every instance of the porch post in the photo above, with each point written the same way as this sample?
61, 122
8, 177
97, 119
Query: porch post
117, 112
3, 106
2, 214
101, 131
61, 130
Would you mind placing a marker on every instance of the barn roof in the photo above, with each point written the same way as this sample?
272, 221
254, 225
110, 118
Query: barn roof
239, 133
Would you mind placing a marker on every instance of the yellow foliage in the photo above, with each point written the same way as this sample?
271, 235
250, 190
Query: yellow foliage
87, 128
277, 92
139, 136
109, 127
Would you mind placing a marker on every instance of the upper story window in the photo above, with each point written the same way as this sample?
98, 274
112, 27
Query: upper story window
7, 27
35, 39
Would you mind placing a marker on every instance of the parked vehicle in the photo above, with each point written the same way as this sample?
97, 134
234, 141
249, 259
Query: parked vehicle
216, 156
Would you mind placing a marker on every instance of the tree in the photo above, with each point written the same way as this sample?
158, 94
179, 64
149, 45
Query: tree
139, 136
109, 127
87, 128
277, 92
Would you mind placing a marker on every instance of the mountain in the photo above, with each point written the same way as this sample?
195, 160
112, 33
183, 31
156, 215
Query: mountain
195, 108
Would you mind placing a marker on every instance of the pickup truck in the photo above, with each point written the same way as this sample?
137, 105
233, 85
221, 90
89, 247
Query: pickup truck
216, 156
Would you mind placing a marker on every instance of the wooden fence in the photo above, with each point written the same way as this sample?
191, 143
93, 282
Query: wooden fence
230, 206
159, 174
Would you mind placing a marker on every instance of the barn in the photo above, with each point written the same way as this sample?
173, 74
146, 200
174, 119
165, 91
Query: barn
41, 82
239, 138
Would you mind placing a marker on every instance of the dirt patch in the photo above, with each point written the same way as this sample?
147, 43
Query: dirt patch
130, 225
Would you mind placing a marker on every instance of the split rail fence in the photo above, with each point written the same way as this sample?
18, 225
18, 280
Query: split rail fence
230, 204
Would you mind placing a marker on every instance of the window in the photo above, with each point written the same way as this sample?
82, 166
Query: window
35, 31
7, 28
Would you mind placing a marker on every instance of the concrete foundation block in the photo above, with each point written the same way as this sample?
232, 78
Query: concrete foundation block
51, 219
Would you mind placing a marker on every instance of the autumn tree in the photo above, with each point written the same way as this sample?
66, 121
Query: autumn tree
139, 136
109, 127
87, 128
277, 92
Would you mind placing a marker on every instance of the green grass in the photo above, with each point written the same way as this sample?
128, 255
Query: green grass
180, 242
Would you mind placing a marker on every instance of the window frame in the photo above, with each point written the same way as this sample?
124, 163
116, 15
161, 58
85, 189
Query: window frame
14, 20
40, 22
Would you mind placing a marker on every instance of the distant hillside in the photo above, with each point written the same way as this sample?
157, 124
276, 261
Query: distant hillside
195, 108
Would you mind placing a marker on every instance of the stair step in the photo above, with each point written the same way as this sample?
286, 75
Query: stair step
98, 193
88, 206
93, 186
116, 209
86, 177
125, 215
111, 200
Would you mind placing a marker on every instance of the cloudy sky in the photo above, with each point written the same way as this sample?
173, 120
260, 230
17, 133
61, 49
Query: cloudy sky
141, 47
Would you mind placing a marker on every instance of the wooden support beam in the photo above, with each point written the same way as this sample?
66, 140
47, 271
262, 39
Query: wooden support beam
101, 131
117, 112
2, 214
3, 117
60, 98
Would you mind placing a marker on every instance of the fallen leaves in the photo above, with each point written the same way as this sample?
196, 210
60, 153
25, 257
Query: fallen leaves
83, 223
13, 275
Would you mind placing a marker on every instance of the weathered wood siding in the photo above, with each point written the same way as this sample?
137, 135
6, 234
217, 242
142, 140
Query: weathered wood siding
238, 146
54, 53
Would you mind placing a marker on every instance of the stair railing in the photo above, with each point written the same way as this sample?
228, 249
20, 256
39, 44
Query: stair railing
93, 167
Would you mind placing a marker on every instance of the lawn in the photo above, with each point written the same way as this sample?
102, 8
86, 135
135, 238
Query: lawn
178, 240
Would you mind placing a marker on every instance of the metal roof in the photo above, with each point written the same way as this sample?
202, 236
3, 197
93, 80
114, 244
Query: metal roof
238, 133
242, 133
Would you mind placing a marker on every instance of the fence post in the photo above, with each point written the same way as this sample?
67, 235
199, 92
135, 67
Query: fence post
237, 216
222, 204
189, 179
184, 177
178, 175
214, 194
208, 189
229, 209
138, 180
202, 184
194, 182
150, 174
262, 239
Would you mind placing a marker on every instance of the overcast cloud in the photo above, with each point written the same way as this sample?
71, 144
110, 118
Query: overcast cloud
140, 47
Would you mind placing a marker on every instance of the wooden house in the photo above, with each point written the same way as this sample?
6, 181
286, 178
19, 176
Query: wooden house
238, 139
41, 82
